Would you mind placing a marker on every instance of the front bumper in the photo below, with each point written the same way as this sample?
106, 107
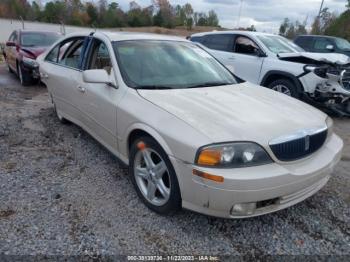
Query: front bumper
267, 188
31, 70
330, 87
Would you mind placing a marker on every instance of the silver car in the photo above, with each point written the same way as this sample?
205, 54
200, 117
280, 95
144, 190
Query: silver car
193, 135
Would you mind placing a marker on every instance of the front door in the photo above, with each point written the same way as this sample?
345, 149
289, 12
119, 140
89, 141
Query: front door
246, 60
99, 101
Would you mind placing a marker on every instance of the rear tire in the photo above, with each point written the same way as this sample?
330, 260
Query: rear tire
166, 197
284, 86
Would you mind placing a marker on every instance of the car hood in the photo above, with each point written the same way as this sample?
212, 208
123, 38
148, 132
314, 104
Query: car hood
332, 58
34, 51
243, 112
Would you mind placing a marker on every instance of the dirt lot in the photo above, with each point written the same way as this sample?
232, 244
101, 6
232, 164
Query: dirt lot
63, 193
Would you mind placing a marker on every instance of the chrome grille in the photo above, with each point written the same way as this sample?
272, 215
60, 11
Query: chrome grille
300, 147
345, 79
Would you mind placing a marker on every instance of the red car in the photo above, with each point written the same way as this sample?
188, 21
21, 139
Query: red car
22, 49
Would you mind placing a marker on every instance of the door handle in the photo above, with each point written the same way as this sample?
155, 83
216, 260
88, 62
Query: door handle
232, 58
81, 89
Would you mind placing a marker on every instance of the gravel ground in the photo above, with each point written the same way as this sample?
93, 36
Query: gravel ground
63, 193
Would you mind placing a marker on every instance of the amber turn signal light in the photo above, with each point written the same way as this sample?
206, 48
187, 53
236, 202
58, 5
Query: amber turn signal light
209, 157
208, 176
141, 145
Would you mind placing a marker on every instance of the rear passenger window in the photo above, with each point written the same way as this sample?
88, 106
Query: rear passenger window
71, 56
222, 42
304, 42
198, 39
67, 53
53, 55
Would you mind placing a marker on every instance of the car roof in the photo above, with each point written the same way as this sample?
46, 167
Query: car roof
241, 32
38, 31
319, 36
124, 36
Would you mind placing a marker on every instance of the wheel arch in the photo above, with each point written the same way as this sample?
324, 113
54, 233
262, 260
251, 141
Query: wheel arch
273, 75
139, 130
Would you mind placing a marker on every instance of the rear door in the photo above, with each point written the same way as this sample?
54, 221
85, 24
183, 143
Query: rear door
221, 46
62, 73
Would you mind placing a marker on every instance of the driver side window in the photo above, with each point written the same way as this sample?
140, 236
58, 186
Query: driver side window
99, 57
243, 45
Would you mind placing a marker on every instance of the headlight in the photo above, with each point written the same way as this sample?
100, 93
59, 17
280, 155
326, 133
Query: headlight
236, 154
320, 71
29, 61
329, 123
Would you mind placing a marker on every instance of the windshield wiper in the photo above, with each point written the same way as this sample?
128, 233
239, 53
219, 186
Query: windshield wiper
209, 84
153, 87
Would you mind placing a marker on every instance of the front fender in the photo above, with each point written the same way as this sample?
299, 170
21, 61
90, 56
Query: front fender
124, 148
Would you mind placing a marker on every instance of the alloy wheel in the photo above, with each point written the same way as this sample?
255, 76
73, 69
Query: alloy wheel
152, 176
282, 89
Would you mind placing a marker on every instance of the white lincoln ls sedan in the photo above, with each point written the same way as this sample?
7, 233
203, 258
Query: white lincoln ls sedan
194, 135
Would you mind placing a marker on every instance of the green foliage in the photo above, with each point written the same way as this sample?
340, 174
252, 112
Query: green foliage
327, 23
104, 13
292, 29
340, 26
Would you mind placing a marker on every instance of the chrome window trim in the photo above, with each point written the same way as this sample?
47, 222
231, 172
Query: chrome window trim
297, 135
69, 67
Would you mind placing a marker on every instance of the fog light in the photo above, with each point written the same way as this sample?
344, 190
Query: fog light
243, 209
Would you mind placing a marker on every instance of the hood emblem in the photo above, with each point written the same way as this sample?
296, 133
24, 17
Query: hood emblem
303, 134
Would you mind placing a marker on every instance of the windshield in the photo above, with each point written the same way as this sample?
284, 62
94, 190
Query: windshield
278, 44
342, 44
168, 64
38, 39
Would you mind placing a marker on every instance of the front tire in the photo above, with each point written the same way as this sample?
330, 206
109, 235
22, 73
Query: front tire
284, 86
154, 177
24, 77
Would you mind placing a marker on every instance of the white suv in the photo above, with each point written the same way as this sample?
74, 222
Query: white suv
277, 63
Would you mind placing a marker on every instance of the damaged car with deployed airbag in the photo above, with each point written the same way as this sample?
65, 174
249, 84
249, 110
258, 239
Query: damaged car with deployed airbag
275, 62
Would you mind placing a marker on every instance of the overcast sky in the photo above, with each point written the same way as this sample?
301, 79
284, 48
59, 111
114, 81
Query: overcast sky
266, 15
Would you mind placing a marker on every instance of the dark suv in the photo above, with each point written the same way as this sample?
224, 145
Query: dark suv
323, 44
22, 49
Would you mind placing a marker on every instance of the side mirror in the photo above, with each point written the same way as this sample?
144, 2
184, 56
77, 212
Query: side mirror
330, 47
9, 43
260, 53
97, 76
